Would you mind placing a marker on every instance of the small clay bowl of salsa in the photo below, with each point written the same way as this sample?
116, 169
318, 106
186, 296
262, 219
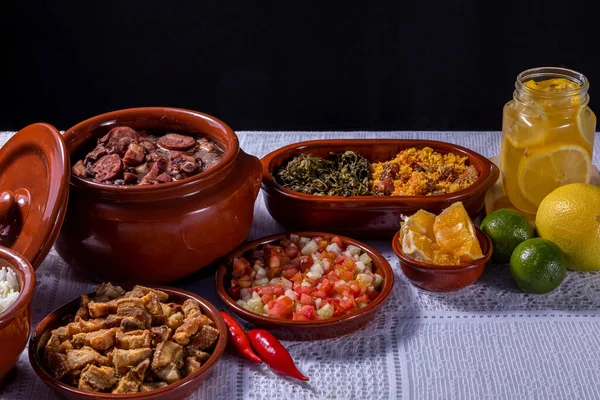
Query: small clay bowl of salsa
146, 203
443, 278
369, 215
303, 325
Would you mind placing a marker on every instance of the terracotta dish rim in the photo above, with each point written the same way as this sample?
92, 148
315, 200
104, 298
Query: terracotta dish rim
487, 177
231, 149
379, 261
69, 307
428, 267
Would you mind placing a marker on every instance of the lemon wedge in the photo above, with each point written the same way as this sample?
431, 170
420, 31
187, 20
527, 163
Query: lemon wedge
545, 170
586, 124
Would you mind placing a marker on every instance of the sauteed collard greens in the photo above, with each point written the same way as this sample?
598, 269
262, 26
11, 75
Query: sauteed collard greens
343, 174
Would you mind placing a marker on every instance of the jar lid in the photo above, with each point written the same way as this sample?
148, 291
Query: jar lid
34, 182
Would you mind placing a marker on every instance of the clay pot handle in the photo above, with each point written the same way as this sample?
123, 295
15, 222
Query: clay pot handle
256, 174
7, 205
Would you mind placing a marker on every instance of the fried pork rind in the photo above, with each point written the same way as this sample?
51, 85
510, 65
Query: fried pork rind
134, 314
191, 308
97, 379
107, 291
190, 327
141, 291
190, 365
102, 339
128, 342
122, 359
134, 339
160, 334
131, 382
102, 309
206, 338
166, 353
169, 374
192, 351
79, 358
154, 308
175, 320
57, 364
83, 313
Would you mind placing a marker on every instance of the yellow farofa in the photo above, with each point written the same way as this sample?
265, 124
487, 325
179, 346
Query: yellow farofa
425, 172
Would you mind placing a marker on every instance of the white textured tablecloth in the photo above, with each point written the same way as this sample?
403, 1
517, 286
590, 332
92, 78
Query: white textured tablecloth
486, 341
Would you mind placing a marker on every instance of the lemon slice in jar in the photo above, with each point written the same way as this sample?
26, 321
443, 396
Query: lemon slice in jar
545, 170
586, 125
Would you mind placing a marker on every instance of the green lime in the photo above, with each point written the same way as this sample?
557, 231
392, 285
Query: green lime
538, 266
507, 228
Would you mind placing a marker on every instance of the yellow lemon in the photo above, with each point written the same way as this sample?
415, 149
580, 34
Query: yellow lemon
570, 217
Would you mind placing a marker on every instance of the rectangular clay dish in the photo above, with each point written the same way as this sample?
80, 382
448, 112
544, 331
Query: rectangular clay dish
365, 216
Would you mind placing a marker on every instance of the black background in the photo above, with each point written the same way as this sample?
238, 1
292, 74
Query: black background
266, 65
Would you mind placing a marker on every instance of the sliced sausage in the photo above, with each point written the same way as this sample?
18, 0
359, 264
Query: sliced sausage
175, 141
120, 138
96, 154
107, 168
157, 168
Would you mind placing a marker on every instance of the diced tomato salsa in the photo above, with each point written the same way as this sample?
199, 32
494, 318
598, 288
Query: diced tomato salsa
304, 279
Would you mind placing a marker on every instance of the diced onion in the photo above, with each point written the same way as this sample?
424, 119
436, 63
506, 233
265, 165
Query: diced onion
261, 282
377, 281
365, 258
354, 250
309, 248
245, 294
360, 266
291, 294
334, 247
304, 240
326, 311
287, 284
364, 279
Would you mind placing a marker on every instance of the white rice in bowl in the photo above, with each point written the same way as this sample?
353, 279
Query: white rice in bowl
9, 288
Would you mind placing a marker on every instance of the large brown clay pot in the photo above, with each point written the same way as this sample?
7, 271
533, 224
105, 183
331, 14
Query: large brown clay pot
159, 233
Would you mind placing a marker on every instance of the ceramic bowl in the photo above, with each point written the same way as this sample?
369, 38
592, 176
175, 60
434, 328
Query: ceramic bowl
307, 330
177, 390
365, 216
158, 233
439, 278
15, 321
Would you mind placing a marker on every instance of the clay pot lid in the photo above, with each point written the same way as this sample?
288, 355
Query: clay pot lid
34, 182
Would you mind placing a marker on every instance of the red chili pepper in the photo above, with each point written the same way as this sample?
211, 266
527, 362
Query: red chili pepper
273, 353
238, 339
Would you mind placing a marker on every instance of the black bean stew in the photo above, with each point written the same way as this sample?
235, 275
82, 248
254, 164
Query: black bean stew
125, 156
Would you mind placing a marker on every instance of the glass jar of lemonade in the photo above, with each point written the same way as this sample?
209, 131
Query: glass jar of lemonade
547, 135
